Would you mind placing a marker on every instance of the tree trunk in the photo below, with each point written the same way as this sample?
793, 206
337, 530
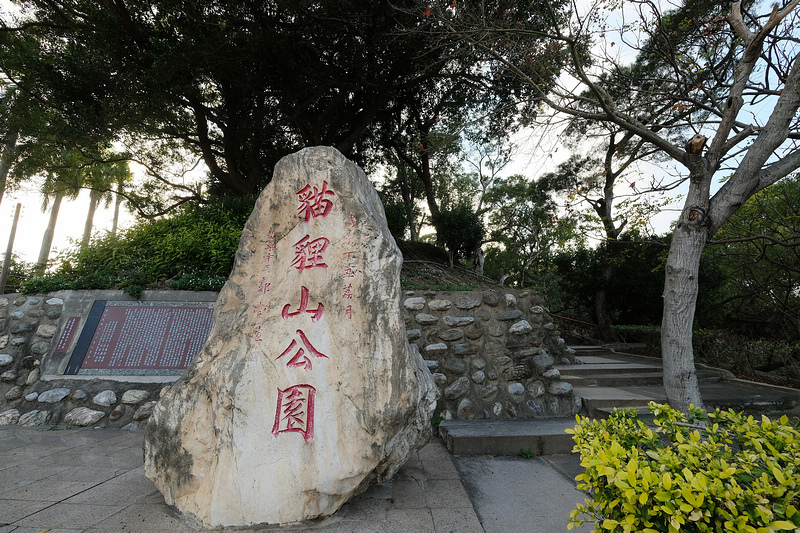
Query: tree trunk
47, 237
6, 158
602, 305
117, 203
680, 297
94, 200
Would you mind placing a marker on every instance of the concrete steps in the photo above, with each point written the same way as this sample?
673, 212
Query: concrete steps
607, 380
537, 436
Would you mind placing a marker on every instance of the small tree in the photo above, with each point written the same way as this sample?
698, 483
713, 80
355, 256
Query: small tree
460, 230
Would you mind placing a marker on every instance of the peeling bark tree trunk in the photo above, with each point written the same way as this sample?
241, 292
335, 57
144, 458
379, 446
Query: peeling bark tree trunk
94, 200
680, 299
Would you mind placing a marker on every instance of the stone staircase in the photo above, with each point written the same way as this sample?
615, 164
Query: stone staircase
607, 380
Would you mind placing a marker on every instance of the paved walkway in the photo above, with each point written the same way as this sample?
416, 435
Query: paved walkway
84, 480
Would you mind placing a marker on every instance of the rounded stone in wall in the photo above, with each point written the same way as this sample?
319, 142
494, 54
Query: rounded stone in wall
553, 373
36, 313
478, 377
54, 395
117, 413
8, 376
83, 416
21, 327
34, 418
5, 359
520, 328
436, 348
492, 375
40, 348
490, 298
497, 408
440, 305
453, 321
31, 397
17, 315
542, 362
439, 378
511, 411
560, 388
488, 392
3, 341
511, 300
495, 330
414, 304
478, 363
457, 389
18, 341
536, 389
455, 365
9, 417
105, 398
535, 407
52, 315
14, 393
426, 319
134, 396
46, 331
494, 348
468, 302
510, 314
466, 348
474, 333
516, 389
451, 334
466, 410
483, 315
502, 362
78, 394
413, 334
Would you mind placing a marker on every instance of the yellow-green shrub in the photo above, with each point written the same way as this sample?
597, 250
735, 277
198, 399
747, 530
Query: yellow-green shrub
719, 471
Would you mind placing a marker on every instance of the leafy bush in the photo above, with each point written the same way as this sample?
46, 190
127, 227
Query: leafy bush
18, 272
719, 471
193, 249
650, 336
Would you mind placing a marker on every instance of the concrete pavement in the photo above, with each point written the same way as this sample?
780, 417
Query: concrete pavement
92, 481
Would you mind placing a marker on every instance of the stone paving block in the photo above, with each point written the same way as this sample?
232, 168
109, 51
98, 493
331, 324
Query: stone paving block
70, 516
114, 492
405, 520
48, 490
447, 494
434, 451
443, 469
364, 509
140, 518
15, 479
15, 529
409, 494
13, 510
89, 473
456, 520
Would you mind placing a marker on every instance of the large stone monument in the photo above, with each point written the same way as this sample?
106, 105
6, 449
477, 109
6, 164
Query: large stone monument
306, 391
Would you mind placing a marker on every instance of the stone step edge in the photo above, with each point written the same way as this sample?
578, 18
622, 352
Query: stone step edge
525, 437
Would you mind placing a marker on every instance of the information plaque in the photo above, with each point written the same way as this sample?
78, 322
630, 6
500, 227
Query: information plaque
140, 338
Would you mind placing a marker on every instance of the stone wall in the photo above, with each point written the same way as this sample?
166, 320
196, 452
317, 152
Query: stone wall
491, 353
32, 395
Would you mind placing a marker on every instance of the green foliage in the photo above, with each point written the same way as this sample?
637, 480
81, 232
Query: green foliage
526, 453
460, 229
719, 471
193, 250
650, 336
18, 273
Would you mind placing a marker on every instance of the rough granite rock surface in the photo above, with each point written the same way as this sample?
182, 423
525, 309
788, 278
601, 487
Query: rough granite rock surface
307, 390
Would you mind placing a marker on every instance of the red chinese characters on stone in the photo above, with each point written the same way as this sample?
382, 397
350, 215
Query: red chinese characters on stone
295, 411
313, 202
316, 314
308, 253
300, 359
